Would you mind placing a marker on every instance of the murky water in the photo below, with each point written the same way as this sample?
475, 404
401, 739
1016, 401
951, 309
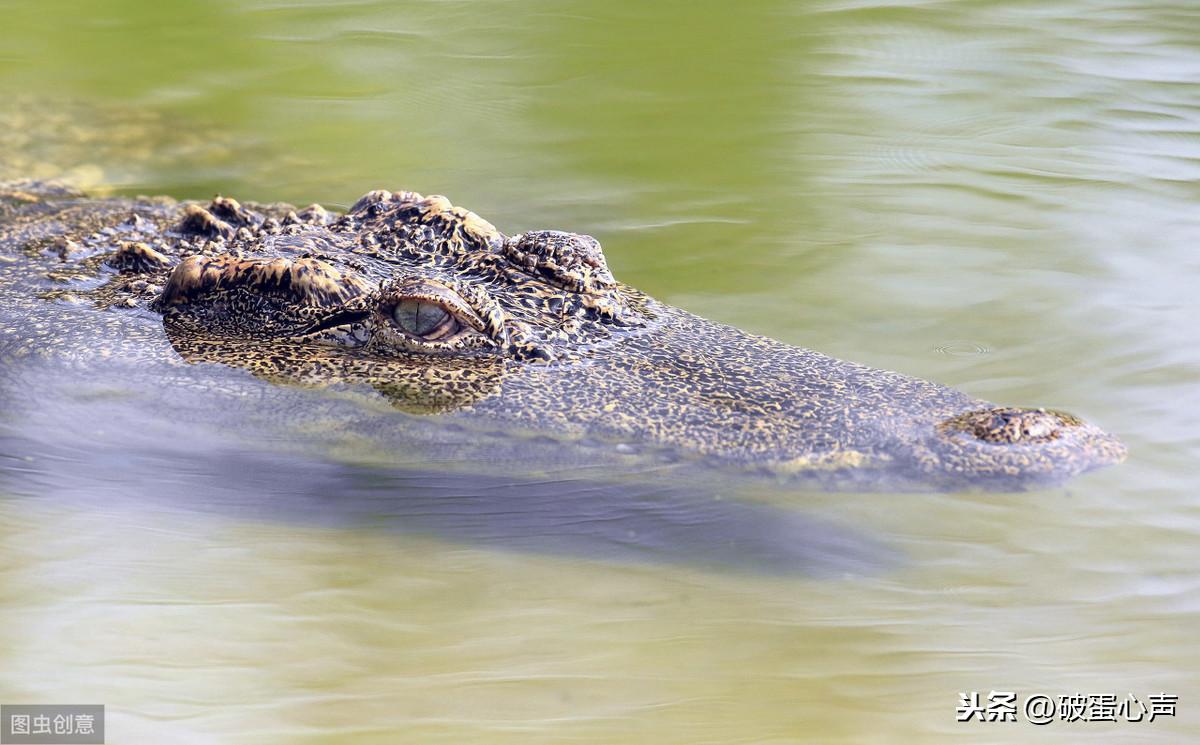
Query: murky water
997, 196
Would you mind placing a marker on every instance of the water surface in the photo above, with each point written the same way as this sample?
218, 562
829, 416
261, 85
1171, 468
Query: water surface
998, 196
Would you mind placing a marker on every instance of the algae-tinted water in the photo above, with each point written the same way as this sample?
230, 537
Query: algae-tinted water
997, 196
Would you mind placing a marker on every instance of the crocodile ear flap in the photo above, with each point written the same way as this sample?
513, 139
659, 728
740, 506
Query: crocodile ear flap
259, 298
571, 261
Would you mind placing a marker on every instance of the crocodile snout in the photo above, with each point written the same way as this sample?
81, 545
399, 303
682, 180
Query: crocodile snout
1009, 425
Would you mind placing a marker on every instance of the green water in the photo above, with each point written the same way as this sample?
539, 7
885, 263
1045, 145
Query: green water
1000, 196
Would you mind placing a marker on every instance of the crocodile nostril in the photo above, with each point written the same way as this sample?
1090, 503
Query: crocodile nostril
1009, 425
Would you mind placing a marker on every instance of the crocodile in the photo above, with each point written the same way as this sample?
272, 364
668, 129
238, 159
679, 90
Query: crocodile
432, 309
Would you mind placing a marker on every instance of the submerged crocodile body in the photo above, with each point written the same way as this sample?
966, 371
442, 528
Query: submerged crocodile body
432, 307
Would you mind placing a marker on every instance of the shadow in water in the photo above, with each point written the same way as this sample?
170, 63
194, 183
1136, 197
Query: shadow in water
636, 521
207, 439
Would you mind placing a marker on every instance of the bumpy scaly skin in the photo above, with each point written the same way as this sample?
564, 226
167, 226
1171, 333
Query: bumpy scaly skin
544, 339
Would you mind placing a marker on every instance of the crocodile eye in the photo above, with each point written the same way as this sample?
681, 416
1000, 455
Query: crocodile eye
424, 319
414, 314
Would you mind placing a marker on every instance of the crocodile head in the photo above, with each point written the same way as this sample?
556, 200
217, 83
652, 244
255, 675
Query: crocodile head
436, 308
399, 275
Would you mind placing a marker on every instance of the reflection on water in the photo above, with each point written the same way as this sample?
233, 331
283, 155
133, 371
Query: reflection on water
894, 183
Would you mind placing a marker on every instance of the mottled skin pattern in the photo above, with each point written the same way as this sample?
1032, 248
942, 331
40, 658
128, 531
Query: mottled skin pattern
434, 308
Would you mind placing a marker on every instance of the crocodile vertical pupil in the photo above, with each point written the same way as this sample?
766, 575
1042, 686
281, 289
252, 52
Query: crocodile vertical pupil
418, 318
